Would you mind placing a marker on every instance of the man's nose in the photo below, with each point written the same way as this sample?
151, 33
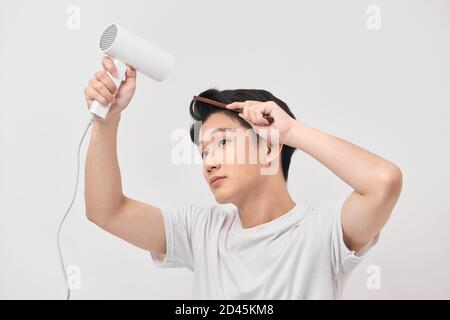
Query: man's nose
211, 162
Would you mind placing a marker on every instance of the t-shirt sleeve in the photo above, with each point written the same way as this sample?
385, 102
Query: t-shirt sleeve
180, 224
343, 259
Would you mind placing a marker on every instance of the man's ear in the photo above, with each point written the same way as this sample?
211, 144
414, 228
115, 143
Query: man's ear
271, 152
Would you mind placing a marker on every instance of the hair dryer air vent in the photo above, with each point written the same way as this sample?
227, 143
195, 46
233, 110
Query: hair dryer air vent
108, 37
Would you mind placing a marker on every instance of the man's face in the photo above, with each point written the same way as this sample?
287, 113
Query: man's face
231, 151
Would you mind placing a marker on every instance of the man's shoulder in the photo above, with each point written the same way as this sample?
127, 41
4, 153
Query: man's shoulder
210, 217
323, 214
326, 207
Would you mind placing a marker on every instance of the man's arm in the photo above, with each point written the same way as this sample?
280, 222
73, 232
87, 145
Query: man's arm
138, 223
377, 182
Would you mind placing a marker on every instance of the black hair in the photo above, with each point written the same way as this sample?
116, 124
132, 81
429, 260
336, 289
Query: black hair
201, 111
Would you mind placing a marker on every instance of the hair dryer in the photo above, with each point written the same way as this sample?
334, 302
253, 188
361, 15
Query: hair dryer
127, 48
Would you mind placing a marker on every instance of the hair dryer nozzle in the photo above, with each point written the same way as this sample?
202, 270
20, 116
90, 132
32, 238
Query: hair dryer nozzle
108, 37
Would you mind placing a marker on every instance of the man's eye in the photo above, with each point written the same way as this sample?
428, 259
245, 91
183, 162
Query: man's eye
220, 143
222, 140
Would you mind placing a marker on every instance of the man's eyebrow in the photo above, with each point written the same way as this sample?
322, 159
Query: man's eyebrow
200, 142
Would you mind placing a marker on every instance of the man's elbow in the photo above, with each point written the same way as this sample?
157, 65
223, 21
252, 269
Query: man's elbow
94, 217
391, 183
91, 216
100, 214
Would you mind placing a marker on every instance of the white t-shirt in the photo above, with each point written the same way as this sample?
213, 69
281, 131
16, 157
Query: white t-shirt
299, 255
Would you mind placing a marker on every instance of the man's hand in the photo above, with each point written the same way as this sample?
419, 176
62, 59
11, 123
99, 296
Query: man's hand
253, 111
102, 88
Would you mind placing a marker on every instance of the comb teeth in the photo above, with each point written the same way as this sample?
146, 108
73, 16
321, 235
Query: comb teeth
108, 37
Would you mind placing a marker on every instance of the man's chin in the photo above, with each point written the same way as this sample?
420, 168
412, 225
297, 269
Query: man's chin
221, 197
222, 200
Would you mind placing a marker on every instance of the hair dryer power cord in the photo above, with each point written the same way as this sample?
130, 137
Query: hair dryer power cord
58, 238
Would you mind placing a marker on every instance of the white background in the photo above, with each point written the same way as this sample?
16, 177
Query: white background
385, 90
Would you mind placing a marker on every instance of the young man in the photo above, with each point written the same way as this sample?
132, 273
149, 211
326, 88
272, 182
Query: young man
268, 245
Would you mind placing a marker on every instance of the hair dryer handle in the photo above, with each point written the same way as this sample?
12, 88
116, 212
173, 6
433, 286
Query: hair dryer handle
96, 108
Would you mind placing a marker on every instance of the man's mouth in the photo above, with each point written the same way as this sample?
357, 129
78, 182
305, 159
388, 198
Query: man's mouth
215, 181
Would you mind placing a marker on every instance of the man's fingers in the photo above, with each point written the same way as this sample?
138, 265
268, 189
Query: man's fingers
131, 72
103, 77
261, 121
260, 111
100, 87
102, 90
92, 94
109, 66
234, 106
253, 114
251, 111
247, 111
237, 105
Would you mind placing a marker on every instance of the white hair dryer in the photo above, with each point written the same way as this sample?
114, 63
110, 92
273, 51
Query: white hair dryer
127, 48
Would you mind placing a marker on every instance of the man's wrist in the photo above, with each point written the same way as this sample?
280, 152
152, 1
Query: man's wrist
291, 138
111, 121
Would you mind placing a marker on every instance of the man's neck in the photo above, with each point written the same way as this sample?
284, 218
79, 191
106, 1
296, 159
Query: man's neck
266, 202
